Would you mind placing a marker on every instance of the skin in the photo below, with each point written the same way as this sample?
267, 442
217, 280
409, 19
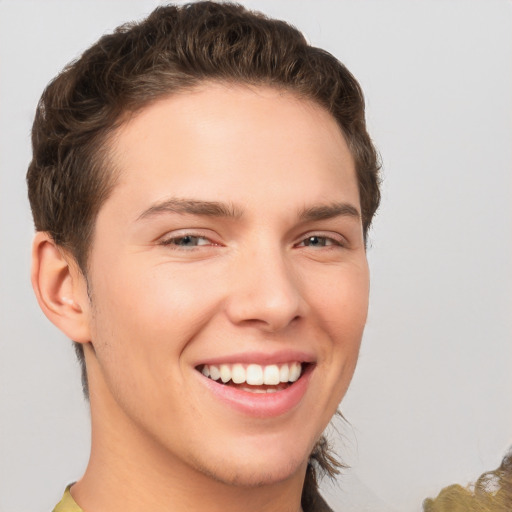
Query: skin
253, 282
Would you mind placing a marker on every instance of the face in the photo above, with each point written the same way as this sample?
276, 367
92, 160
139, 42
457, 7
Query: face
229, 282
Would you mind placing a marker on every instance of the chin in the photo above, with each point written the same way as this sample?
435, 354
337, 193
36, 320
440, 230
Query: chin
256, 469
250, 475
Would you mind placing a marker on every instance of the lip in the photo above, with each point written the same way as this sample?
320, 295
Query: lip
259, 405
281, 357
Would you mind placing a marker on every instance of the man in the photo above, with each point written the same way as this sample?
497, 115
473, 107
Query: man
202, 185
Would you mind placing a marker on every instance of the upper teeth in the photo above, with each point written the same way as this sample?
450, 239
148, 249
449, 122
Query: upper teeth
253, 374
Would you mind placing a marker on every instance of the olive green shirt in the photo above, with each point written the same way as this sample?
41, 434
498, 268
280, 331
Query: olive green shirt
68, 504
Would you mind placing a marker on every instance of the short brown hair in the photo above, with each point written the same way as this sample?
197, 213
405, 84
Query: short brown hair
174, 49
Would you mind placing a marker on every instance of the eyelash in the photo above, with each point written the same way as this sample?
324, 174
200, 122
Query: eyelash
328, 241
172, 241
331, 241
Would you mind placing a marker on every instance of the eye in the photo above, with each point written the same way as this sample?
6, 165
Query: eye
319, 241
185, 241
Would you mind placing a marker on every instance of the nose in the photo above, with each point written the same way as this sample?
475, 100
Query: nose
264, 291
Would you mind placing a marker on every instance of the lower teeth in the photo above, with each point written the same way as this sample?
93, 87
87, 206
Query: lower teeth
260, 391
256, 389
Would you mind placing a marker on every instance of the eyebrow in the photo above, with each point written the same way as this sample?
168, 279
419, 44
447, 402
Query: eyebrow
329, 211
218, 209
192, 207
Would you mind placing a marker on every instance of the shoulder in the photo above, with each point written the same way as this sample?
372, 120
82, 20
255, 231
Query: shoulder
67, 503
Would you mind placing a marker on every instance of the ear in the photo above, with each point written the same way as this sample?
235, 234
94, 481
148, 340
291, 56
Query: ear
60, 288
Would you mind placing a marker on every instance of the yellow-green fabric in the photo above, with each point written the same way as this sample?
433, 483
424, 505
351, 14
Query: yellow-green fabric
67, 503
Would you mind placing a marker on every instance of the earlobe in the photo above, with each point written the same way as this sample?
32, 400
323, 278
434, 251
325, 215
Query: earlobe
60, 288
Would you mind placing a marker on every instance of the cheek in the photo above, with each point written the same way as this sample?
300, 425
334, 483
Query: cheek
341, 307
140, 328
178, 304
159, 310
340, 299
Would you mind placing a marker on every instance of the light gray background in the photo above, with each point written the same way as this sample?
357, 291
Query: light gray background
430, 402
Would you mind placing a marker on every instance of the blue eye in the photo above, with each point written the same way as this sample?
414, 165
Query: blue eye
319, 241
187, 241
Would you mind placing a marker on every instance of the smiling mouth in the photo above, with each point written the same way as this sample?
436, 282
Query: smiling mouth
255, 378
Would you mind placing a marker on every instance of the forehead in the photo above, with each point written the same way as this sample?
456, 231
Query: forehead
231, 142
